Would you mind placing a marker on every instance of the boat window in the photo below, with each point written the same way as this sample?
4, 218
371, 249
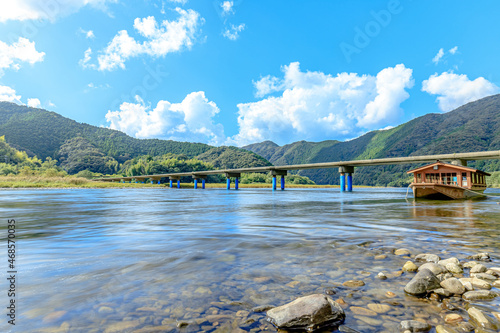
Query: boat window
443, 178
464, 178
454, 178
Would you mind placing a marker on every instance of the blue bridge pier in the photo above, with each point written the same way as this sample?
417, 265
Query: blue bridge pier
346, 171
281, 173
236, 177
196, 178
176, 178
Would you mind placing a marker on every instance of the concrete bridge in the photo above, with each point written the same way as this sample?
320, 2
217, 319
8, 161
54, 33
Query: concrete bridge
346, 168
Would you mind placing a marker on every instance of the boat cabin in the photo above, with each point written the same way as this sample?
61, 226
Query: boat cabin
454, 181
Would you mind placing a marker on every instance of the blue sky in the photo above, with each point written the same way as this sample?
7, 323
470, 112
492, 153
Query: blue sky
244, 71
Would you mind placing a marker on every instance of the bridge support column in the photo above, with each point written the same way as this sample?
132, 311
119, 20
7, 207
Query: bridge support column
203, 183
159, 181
236, 181
178, 183
171, 185
343, 170
195, 183
197, 178
281, 173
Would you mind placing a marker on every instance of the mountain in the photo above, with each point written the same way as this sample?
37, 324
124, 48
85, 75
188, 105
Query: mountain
472, 127
80, 146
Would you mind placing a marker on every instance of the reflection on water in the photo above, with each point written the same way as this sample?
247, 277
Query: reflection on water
134, 260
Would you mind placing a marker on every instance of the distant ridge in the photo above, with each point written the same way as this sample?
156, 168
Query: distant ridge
472, 127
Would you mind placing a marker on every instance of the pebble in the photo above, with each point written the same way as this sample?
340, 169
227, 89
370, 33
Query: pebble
434, 268
379, 308
382, 276
353, 283
362, 311
427, 257
480, 256
479, 268
380, 257
453, 285
105, 310
476, 295
470, 264
414, 326
484, 276
389, 294
454, 268
450, 260
402, 252
445, 329
453, 318
409, 266
480, 318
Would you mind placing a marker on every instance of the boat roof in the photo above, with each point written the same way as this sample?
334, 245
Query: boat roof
458, 167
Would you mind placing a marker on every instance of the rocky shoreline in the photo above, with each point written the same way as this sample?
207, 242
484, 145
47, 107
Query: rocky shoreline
459, 288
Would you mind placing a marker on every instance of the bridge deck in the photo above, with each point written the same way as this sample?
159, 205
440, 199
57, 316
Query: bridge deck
485, 155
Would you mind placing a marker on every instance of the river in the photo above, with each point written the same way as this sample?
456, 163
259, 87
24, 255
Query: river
125, 260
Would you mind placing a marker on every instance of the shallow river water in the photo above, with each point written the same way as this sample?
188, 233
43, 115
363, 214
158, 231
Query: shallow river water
150, 260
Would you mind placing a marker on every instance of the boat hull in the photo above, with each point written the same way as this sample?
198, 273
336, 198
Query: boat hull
438, 191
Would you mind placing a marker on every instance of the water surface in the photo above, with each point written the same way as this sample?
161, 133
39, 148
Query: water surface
125, 260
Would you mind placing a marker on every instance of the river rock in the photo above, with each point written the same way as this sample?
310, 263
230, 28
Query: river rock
345, 329
434, 268
477, 295
484, 276
496, 284
493, 272
382, 276
454, 268
414, 326
445, 329
353, 283
446, 261
481, 284
443, 292
453, 285
478, 317
480, 256
422, 282
379, 308
362, 311
309, 312
410, 267
427, 257
479, 268
402, 252
453, 318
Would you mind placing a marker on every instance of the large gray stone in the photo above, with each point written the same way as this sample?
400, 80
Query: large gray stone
414, 326
307, 313
422, 282
453, 285
478, 295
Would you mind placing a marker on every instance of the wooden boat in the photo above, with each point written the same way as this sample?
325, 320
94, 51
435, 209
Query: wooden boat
448, 181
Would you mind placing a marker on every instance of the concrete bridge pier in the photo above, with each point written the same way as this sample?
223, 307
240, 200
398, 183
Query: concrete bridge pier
343, 170
236, 177
281, 173
196, 179
177, 178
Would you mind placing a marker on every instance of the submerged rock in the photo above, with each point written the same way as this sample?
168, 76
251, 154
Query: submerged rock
423, 282
480, 256
477, 295
477, 316
307, 313
414, 326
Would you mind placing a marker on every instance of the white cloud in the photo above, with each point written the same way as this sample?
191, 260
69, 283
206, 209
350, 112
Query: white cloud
317, 106
34, 102
20, 10
23, 50
438, 56
87, 57
455, 90
227, 7
267, 85
182, 2
233, 32
190, 120
89, 34
161, 39
9, 95
453, 50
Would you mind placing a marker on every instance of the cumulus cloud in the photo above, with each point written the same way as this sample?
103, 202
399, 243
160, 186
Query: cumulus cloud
34, 102
21, 10
453, 50
227, 7
190, 120
8, 94
160, 39
233, 32
455, 90
318, 106
23, 50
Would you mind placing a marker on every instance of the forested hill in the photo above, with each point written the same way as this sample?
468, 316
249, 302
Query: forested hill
80, 146
471, 127
42, 133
